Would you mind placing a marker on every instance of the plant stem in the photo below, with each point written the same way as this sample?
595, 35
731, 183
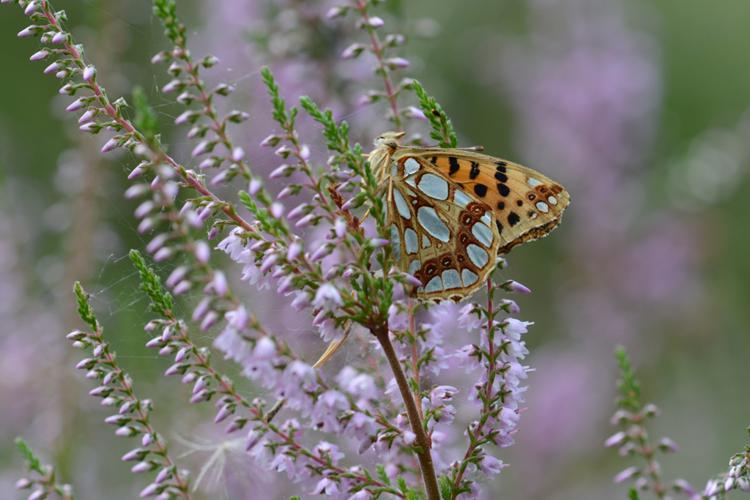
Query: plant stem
423, 453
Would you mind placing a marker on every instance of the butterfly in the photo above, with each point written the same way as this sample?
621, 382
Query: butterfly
451, 212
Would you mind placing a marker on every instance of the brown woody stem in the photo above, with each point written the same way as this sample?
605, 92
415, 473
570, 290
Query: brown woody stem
423, 444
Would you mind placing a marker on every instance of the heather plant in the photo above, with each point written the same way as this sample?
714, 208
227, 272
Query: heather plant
437, 389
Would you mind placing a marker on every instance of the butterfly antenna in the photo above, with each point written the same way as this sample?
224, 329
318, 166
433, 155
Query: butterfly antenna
475, 149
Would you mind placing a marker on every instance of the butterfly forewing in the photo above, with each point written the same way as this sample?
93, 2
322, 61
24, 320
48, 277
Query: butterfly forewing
441, 235
526, 204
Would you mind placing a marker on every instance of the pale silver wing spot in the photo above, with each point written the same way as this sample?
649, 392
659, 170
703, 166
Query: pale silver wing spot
477, 255
426, 243
468, 277
396, 242
394, 169
451, 279
552, 200
411, 241
414, 266
433, 186
482, 233
461, 199
487, 218
533, 182
410, 166
411, 181
542, 207
401, 205
429, 220
434, 285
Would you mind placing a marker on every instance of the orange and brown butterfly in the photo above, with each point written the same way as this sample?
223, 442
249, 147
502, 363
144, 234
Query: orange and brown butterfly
451, 212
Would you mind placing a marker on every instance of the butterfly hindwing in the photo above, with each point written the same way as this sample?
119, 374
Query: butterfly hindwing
440, 234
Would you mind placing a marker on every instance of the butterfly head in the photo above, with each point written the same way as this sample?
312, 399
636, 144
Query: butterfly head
388, 139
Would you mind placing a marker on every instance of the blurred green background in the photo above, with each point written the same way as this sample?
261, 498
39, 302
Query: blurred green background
673, 219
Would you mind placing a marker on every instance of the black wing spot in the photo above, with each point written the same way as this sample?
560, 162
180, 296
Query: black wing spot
480, 189
503, 189
501, 205
519, 203
474, 172
433, 160
454, 166
501, 166
499, 226
501, 176
513, 219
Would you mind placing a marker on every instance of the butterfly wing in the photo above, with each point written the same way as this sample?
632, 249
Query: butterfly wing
526, 204
440, 234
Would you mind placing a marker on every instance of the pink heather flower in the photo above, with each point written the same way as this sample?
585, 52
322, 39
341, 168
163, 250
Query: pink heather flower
324, 416
202, 251
440, 394
414, 112
491, 465
88, 73
88, 115
39, 55
327, 297
110, 145
517, 287
31, 8
282, 170
615, 439
59, 38
375, 22
76, 105
397, 62
340, 227
254, 186
238, 154
265, 348
294, 251
352, 51
277, 209
360, 385
326, 486
157, 242
301, 301
219, 283
176, 276
626, 474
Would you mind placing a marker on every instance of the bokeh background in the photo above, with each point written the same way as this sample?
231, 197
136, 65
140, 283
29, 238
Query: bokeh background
640, 108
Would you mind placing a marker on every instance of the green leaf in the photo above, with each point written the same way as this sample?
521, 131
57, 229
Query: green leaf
630, 389
166, 11
85, 311
446, 487
380, 469
145, 119
442, 127
161, 299
32, 461
633, 494
279, 105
